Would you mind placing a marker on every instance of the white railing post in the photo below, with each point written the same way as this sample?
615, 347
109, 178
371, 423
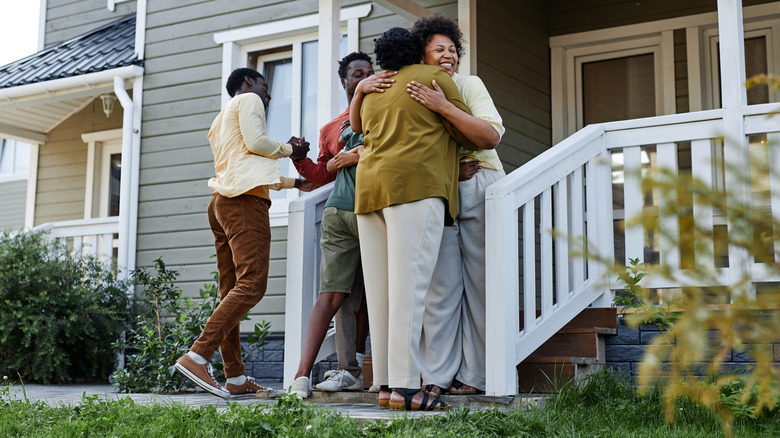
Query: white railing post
604, 226
302, 266
734, 100
502, 296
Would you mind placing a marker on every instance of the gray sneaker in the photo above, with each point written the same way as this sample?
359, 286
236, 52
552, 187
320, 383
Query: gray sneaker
341, 380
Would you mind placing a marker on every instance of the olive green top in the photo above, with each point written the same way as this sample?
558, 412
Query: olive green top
411, 153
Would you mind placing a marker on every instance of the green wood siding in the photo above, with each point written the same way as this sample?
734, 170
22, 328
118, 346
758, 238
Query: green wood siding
66, 19
513, 60
12, 203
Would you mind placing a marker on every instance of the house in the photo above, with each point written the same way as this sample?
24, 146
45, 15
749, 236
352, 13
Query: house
643, 82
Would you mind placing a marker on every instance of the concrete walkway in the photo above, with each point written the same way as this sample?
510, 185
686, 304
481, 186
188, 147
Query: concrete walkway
359, 405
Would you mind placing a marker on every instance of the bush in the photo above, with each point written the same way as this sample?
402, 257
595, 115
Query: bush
60, 312
166, 326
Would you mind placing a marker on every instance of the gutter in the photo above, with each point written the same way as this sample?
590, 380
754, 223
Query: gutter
89, 80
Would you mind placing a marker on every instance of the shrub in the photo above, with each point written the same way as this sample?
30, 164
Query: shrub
60, 312
165, 327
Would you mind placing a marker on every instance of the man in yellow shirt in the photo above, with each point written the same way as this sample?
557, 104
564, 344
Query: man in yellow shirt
246, 163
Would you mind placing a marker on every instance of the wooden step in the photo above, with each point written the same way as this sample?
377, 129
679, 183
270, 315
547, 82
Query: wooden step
543, 377
575, 345
591, 320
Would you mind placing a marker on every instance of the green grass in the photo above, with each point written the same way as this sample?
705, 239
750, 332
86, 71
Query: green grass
605, 406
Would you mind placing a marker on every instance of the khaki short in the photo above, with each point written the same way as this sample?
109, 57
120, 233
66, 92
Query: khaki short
340, 247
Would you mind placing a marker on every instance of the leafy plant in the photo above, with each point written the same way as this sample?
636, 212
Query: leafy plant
166, 325
60, 311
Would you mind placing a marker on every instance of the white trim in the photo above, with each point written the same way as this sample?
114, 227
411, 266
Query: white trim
328, 37
73, 83
281, 28
140, 29
405, 8
111, 4
42, 24
32, 186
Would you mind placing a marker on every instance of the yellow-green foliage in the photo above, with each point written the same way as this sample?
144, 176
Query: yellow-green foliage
700, 333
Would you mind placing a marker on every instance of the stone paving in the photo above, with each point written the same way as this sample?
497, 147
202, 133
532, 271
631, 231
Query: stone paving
358, 405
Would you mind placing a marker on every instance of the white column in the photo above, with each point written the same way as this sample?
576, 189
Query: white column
734, 99
467, 21
328, 52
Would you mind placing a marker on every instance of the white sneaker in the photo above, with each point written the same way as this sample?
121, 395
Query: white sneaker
330, 373
341, 380
301, 387
374, 388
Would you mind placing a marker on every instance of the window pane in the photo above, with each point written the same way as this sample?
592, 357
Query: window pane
278, 75
22, 158
309, 127
6, 157
618, 89
756, 63
114, 184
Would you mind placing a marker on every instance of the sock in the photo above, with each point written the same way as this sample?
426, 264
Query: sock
360, 359
196, 357
238, 380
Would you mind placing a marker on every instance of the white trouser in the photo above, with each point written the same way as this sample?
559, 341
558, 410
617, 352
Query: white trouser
399, 246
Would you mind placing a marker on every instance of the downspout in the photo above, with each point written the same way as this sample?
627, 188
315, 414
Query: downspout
138, 94
124, 179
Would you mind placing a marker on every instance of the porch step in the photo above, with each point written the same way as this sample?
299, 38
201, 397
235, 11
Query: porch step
572, 353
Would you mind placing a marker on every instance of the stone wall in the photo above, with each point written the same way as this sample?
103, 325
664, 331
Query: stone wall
624, 351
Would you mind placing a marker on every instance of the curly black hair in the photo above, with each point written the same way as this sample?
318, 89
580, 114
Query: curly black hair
426, 27
397, 48
237, 77
354, 56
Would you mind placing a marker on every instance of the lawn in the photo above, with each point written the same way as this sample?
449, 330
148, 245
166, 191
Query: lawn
606, 406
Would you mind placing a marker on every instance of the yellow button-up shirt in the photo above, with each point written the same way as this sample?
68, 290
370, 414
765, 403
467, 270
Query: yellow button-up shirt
477, 98
244, 156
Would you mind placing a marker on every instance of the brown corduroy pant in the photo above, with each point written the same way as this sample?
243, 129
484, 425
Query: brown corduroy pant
242, 238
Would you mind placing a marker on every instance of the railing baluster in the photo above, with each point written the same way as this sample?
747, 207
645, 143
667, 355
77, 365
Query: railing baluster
668, 222
561, 242
633, 202
545, 237
773, 143
529, 265
701, 168
577, 216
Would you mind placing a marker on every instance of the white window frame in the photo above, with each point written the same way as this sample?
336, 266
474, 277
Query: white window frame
770, 29
97, 178
15, 176
238, 43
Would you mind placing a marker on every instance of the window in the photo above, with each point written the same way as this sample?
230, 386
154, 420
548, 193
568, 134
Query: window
293, 113
286, 52
104, 168
14, 159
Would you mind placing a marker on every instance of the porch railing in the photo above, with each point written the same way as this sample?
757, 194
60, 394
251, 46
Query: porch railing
87, 237
530, 271
303, 279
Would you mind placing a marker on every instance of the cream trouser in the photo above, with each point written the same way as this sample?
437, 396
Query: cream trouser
399, 246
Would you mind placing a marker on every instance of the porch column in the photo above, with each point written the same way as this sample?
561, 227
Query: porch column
327, 55
734, 100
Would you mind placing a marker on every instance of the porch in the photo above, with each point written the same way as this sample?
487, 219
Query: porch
533, 281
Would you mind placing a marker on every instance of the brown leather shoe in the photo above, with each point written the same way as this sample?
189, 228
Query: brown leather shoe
201, 375
248, 387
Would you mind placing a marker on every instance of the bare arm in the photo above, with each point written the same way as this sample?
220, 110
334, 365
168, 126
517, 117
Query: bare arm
479, 131
372, 84
344, 159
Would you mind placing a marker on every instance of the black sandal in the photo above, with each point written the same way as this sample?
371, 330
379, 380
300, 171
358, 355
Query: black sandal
408, 404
